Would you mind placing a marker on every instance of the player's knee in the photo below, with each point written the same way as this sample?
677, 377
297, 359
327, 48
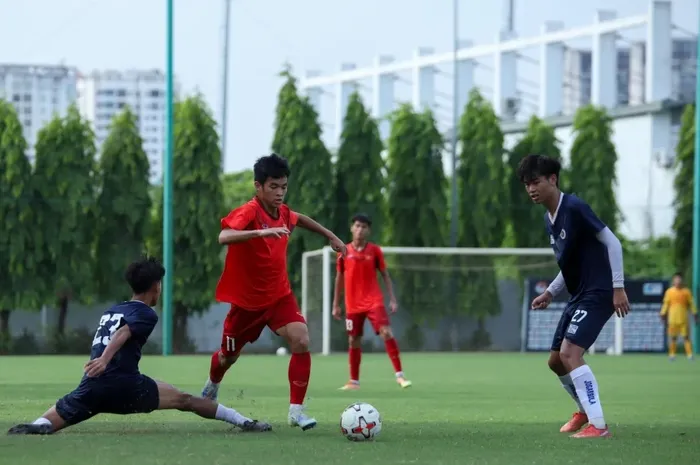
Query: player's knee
555, 364
184, 402
570, 357
297, 336
385, 333
299, 343
355, 341
227, 360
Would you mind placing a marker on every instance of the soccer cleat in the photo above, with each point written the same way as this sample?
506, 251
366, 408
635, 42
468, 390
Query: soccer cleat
255, 426
578, 420
591, 431
211, 391
297, 417
403, 382
350, 386
31, 429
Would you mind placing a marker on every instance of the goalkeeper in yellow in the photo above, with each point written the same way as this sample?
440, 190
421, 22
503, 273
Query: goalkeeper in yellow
678, 301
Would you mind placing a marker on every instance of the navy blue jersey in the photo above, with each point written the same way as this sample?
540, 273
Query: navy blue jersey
141, 319
582, 258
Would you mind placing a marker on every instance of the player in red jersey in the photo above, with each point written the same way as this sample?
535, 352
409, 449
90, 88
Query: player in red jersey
357, 273
255, 282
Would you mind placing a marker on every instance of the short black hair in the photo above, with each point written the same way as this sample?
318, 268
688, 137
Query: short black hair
679, 274
533, 166
270, 166
362, 218
143, 274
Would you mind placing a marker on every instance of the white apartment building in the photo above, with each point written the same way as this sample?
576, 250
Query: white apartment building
38, 93
103, 94
630, 63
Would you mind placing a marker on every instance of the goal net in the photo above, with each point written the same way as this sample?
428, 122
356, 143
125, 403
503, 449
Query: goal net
470, 299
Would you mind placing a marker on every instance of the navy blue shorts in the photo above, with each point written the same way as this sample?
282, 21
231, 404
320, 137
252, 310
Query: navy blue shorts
121, 395
582, 321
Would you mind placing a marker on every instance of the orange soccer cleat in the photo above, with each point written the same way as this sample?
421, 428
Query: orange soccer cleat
592, 432
350, 386
578, 420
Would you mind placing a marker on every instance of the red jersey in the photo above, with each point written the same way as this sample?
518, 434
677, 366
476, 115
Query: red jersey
362, 291
255, 271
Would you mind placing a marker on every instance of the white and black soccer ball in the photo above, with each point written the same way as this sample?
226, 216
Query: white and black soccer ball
360, 422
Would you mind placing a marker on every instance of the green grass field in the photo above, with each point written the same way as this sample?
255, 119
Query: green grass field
495, 409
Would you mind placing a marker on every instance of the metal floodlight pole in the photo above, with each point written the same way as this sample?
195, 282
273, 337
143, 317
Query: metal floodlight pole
454, 230
168, 187
224, 83
696, 192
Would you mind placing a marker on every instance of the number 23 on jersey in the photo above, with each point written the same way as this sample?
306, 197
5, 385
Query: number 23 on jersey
107, 327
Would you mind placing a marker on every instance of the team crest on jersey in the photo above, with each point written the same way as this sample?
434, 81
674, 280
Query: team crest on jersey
562, 234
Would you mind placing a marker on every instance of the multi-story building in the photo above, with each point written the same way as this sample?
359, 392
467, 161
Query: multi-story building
631, 62
103, 94
38, 93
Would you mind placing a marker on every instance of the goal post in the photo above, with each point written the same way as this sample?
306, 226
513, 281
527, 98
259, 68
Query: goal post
421, 277
326, 256
451, 282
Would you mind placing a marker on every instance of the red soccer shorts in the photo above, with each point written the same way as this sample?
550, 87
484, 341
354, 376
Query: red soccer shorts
355, 322
243, 326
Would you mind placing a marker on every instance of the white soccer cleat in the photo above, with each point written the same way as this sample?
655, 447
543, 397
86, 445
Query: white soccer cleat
211, 391
297, 417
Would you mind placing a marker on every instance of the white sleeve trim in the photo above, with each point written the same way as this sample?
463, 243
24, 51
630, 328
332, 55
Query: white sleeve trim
607, 237
557, 285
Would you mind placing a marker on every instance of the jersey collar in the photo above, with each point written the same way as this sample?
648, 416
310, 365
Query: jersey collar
553, 218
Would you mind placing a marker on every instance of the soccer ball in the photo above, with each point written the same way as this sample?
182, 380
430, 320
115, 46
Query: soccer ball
282, 351
360, 422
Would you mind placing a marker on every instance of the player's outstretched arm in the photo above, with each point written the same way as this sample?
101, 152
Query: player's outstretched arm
235, 227
231, 236
309, 224
97, 366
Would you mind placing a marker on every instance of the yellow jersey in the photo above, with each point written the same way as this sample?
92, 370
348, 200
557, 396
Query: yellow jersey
677, 303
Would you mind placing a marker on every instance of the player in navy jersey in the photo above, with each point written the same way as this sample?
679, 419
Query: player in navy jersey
112, 382
590, 259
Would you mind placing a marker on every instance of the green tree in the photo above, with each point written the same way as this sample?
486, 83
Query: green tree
416, 194
238, 189
298, 138
683, 185
198, 207
653, 258
593, 160
17, 262
484, 206
359, 178
525, 218
65, 180
123, 206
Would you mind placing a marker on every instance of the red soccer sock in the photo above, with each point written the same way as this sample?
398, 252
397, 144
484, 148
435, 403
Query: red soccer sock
216, 370
299, 374
392, 350
355, 358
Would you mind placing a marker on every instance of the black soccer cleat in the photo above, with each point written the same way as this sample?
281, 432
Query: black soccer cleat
255, 426
31, 429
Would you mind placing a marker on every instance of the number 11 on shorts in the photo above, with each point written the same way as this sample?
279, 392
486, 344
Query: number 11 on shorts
230, 344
